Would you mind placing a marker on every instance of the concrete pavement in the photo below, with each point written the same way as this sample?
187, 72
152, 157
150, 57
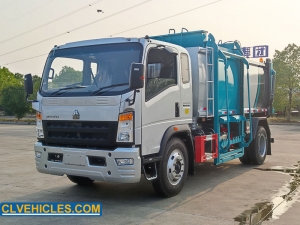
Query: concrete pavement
223, 194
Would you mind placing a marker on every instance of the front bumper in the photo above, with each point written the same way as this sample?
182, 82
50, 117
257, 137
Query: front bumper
76, 162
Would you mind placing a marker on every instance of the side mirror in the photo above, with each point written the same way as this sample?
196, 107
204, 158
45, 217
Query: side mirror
136, 78
51, 74
28, 84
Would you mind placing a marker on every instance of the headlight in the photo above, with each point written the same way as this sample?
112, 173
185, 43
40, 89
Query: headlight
39, 126
124, 136
125, 128
39, 133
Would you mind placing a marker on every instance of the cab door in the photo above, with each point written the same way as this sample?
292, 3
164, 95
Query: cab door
161, 101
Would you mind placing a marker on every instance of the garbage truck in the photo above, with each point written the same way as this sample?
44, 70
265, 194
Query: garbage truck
118, 109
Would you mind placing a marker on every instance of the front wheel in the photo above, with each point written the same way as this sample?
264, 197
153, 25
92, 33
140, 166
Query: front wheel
258, 147
84, 181
172, 170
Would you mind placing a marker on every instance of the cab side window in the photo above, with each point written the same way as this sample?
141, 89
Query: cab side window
184, 68
161, 72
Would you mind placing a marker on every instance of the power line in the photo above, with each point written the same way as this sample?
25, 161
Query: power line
21, 60
124, 10
25, 14
52, 21
8, 5
166, 17
131, 28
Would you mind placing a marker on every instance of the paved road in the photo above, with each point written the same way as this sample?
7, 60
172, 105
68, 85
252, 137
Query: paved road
223, 194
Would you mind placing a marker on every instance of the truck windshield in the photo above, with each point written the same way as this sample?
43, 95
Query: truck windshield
82, 71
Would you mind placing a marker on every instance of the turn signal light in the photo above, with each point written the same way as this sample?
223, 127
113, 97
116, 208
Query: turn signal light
39, 115
126, 116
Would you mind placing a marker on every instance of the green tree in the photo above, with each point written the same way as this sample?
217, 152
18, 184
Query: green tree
6, 78
296, 102
67, 75
19, 77
36, 80
287, 66
13, 100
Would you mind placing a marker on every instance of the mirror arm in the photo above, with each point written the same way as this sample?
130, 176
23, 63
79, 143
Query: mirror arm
27, 96
131, 102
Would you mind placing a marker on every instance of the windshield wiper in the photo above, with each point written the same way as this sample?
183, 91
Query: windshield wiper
65, 89
100, 91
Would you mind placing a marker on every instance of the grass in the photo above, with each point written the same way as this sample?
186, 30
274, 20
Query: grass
28, 119
15, 120
283, 120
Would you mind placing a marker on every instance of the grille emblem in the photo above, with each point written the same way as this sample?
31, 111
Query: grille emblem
76, 115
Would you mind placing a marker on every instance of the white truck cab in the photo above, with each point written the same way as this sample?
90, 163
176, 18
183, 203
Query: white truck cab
89, 129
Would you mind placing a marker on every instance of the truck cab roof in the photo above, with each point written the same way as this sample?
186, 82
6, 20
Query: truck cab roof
98, 42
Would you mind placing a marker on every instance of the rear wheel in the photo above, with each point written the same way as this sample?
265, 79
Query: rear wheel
172, 170
245, 159
84, 181
258, 147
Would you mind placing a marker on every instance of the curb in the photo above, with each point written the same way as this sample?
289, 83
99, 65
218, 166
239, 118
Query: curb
293, 124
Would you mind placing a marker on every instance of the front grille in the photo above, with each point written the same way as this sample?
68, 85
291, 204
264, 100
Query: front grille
84, 133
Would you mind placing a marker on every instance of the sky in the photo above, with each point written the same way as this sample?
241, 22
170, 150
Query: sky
30, 28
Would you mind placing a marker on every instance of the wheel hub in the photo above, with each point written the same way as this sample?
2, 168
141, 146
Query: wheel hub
262, 145
175, 168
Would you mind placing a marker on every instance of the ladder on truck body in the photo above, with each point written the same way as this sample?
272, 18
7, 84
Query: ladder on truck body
200, 141
209, 55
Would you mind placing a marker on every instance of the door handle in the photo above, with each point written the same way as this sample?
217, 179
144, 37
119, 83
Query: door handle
177, 113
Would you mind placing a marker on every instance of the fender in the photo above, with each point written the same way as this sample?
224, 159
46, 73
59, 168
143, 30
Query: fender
183, 132
180, 131
172, 131
262, 121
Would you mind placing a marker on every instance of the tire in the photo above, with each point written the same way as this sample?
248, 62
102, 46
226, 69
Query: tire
84, 181
258, 147
245, 159
172, 170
